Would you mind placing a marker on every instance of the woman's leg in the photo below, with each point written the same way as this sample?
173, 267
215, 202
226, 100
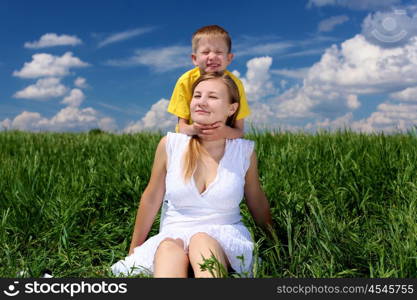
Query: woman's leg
201, 244
170, 259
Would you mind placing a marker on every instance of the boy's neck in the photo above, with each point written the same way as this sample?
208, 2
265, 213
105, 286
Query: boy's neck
203, 73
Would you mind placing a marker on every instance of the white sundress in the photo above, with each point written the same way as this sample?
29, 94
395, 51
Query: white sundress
186, 212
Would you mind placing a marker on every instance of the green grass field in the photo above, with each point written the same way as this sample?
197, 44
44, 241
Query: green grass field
344, 204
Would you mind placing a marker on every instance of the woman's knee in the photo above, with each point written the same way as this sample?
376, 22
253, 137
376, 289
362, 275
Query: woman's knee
171, 250
170, 259
202, 237
203, 244
170, 244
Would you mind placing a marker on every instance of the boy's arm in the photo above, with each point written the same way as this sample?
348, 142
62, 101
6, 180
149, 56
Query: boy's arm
195, 128
185, 128
237, 130
178, 104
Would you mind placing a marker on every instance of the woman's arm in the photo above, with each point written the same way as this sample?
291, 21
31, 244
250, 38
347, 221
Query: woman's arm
255, 198
152, 197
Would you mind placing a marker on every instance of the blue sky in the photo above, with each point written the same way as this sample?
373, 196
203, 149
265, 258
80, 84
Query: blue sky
305, 64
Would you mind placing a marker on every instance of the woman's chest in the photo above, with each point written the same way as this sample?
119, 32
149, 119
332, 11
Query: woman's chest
205, 173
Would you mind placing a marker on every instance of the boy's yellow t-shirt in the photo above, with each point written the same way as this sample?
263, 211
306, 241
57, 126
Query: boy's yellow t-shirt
179, 104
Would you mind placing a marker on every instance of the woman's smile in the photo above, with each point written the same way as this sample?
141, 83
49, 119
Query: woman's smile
200, 111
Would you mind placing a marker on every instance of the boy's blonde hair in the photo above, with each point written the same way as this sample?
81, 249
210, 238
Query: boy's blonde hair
211, 31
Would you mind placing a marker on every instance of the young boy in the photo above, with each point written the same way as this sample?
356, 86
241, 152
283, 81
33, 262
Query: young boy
211, 52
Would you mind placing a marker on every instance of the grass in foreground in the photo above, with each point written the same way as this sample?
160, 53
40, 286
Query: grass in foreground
344, 204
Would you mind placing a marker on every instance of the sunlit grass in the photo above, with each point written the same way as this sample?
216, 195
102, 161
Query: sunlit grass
344, 204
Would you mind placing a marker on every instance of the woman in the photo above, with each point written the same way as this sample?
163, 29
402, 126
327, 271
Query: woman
202, 182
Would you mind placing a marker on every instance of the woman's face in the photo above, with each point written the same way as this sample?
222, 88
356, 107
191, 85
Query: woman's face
211, 102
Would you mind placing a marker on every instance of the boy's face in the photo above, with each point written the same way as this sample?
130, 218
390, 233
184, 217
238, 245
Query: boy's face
212, 55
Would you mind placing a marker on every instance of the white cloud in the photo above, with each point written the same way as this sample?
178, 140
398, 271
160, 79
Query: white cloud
291, 73
355, 4
330, 23
352, 102
6, 124
275, 46
44, 65
361, 67
67, 119
309, 52
52, 39
125, 35
331, 88
75, 98
157, 118
43, 89
261, 115
257, 81
70, 118
159, 59
107, 124
408, 94
342, 122
262, 49
389, 118
293, 104
26, 121
80, 82
73, 117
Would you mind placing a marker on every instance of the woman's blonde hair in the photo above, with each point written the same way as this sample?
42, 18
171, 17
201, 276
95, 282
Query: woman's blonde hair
195, 151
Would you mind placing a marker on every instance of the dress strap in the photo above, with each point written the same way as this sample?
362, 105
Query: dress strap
240, 151
175, 145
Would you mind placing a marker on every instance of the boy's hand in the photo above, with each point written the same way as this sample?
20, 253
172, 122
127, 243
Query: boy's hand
191, 129
198, 128
214, 131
